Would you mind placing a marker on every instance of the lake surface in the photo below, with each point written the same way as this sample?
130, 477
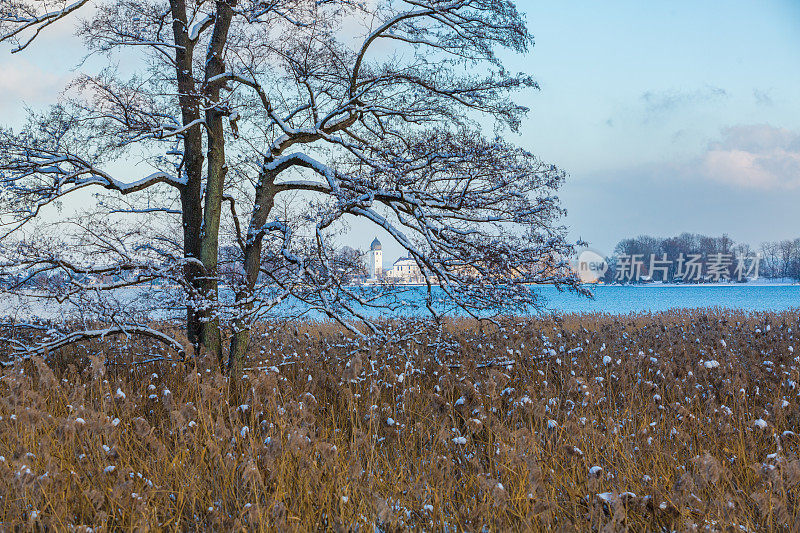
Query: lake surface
623, 299
627, 299
614, 299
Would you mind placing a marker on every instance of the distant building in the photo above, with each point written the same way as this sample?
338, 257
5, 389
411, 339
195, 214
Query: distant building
406, 270
375, 260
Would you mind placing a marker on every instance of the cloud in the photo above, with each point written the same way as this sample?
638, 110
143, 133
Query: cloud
763, 97
659, 106
24, 82
754, 156
660, 103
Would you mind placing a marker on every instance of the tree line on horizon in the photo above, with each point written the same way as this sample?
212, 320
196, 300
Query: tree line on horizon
777, 259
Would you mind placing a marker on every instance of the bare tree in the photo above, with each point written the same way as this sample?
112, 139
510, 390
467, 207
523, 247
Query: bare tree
270, 125
781, 258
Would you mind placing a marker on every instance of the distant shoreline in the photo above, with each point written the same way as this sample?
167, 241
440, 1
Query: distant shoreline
626, 285
693, 285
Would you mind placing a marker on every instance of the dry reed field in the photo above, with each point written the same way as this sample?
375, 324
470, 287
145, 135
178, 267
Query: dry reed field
677, 421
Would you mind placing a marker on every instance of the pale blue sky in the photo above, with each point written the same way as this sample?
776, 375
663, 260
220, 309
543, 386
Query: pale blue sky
666, 115
669, 116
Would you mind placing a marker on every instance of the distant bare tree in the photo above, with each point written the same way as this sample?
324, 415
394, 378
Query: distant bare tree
781, 259
789, 252
269, 125
770, 259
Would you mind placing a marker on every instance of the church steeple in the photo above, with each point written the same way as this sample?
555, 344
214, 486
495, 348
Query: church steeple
375, 259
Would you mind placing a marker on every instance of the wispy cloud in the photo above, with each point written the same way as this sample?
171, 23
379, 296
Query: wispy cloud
23, 82
657, 104
763, 97
755, 156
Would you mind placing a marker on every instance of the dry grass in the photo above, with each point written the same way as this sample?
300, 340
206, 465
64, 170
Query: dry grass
328, 440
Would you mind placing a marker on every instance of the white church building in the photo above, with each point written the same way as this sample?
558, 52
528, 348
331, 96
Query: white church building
375, 260
404, 271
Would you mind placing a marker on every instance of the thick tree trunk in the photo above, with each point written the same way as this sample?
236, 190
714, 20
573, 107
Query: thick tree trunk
265, 199
209, 245
191, 193
210, 234
192, 271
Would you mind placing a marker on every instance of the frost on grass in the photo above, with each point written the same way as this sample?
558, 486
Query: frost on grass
485, 431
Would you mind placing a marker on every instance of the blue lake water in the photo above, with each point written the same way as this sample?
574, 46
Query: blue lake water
623, 299
612, 299
654, 298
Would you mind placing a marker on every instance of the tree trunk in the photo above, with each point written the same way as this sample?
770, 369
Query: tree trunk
209, 246
265, 199
191, 193
210, 234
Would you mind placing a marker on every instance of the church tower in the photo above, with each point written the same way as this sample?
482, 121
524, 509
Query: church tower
375, 260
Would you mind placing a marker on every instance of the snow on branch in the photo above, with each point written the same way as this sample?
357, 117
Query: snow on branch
18, 17
55, 341
34, 175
